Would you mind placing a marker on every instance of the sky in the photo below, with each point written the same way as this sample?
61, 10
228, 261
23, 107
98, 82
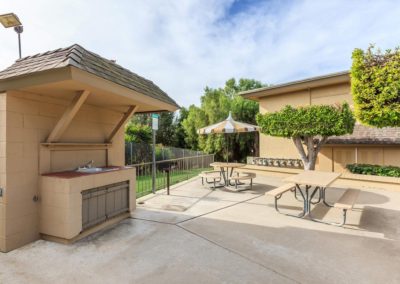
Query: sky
185, 45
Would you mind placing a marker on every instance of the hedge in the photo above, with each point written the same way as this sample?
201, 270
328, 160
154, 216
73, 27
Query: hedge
376, 170
375, 85
313, 120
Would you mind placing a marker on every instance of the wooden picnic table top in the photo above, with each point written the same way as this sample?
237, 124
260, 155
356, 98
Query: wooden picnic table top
314, 178
227, 165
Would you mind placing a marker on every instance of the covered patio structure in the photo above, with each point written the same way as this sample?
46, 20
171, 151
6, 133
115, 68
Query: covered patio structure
61, 110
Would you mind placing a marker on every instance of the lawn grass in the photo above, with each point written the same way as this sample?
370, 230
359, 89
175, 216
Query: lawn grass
144, 183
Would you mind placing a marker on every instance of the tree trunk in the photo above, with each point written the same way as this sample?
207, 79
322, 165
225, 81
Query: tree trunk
257, 144
313, 147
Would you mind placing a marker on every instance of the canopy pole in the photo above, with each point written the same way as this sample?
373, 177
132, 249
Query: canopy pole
226, 147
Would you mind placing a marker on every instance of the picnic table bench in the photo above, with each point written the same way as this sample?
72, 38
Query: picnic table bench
318, 183
211, 177
237, 177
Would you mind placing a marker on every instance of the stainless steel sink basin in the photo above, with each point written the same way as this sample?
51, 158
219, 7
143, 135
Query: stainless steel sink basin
92, 170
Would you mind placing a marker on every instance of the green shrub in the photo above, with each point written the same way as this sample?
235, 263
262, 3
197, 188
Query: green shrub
375, 86
138, 133
376, 170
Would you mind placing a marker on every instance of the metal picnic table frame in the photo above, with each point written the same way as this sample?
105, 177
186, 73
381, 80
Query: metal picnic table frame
317, 181
225, 173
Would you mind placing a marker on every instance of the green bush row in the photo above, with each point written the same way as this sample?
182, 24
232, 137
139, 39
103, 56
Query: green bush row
376, 170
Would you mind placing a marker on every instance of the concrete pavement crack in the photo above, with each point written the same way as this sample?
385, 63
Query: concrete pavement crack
178, 224
238, 254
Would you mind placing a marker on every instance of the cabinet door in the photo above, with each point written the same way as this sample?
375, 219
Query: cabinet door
117, 200
102, 203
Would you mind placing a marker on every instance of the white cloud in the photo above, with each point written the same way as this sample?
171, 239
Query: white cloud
184, 46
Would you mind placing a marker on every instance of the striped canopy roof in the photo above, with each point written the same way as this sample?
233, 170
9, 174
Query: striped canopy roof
228, 126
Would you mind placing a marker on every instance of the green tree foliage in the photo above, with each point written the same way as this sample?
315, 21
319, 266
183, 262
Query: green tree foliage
375, 85
310, 126
138, 130
215, 107
196, 119
138, 133
166, 129
179, 135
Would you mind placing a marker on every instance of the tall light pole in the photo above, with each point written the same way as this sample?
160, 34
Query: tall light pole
11, 20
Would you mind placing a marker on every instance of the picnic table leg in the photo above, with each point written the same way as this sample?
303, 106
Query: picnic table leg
301, 215
222, 169
295, 194
308, 197
317, 189
323, 193
322, 197
331, 223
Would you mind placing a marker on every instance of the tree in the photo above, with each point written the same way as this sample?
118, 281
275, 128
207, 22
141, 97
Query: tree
139, 129
179, 135
215, 107
309, 127
166, 129
375, 85
196, 119
138, 133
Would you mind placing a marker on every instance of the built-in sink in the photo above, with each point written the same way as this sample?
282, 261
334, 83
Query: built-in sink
93, 170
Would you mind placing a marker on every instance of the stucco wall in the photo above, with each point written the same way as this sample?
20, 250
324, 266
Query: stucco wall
26, 121
2, 169
275, 147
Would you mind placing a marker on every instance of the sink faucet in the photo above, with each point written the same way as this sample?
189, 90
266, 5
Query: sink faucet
88, 164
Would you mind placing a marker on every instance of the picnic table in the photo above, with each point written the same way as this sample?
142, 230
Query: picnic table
312, 182
224, 168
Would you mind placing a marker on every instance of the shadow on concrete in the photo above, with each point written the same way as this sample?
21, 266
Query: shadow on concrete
258, 189
306, 255
381, 220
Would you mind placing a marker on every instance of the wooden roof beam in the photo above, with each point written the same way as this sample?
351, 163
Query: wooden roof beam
131, 110
67, 117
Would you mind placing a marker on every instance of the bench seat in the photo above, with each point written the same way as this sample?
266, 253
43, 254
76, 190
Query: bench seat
214, 177
245, 176
282, 189
210, 174
239, 176
347, 200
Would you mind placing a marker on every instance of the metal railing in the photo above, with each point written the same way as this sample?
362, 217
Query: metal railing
136, 153
180, 169
275, 162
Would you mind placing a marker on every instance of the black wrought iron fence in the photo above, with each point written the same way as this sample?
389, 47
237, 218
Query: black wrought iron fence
181, 169
136, 153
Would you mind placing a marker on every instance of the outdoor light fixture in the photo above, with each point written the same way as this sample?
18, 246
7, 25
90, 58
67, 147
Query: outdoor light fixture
11, 20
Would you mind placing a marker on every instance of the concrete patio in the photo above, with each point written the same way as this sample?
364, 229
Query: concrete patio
198, 235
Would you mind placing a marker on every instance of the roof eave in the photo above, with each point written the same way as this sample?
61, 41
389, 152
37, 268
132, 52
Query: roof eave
314, 82
97, 81
37, 78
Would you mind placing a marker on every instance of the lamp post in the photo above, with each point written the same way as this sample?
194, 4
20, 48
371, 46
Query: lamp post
11, 20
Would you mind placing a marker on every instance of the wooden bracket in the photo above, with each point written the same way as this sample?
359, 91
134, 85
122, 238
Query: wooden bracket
67, 116
122, 122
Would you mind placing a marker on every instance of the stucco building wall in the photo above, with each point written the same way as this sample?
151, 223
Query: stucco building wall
26, 121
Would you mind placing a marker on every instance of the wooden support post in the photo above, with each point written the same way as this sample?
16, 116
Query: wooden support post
122, 122
67, 116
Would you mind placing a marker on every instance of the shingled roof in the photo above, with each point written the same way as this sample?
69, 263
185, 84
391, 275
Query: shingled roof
85, 60
369, 135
